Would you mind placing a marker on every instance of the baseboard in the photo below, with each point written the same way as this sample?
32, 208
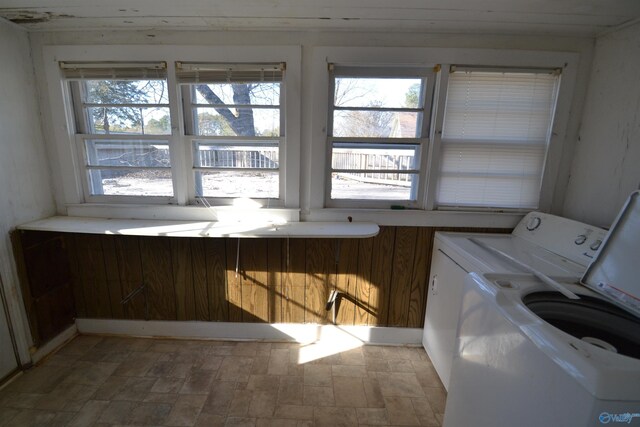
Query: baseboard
51, 345
282, 332
17, 373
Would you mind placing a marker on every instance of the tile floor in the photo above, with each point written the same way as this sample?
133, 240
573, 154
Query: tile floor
107, 381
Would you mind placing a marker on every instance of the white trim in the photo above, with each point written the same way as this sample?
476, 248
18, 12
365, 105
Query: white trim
419, 218
179, 158
181, 213
433, 159
558, 133
56, 342
407, 217
249, 227
280, 332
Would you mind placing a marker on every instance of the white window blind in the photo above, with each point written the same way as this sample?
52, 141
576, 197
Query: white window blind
113, 70
188, 72
496, 130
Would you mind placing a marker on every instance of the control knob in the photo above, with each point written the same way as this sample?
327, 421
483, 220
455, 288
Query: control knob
595, 245
580, 239
533, 223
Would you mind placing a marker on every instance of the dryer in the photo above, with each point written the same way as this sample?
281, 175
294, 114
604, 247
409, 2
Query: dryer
528, 356
550, 244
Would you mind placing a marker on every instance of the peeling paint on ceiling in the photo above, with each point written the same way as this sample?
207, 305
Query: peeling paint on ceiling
30, 16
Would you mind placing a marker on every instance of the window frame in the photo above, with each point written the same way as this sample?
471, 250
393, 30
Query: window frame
421, 142
188, 103
563, 125
492, 143
306, 117
68, 171
77, 92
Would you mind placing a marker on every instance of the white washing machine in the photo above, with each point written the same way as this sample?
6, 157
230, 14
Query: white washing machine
529, 356
553, 245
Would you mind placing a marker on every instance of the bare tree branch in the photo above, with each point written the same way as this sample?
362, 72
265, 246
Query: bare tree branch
348, 90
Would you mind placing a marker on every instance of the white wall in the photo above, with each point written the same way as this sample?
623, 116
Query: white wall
25, 191
606, 165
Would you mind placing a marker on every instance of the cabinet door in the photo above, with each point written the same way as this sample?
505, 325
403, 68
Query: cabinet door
443, 309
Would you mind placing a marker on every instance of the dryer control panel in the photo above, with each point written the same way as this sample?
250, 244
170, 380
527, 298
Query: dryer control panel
571, 239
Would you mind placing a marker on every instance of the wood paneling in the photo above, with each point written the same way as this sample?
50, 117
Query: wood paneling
402, 266
420, 277
77, 284
234, 278
47, 282
113, 277
293, 284
182, 267
381, 269
200, 285
129, 269
216, 262
55, 311
91, 269
155, 256
49, 257
253, 281
363, 284
274, 279
319, 278
346, 280
382, 280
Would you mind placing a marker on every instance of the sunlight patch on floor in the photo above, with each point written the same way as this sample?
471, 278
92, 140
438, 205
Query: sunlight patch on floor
331, 340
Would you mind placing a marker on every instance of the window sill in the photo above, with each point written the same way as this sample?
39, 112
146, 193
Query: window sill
230, 214
173, 228
418, 218
183, 213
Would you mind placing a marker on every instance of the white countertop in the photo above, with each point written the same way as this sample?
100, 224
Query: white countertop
240, 229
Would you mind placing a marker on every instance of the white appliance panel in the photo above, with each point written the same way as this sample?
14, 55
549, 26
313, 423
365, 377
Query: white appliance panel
529, 356
571, 239
501, 378
445, 292
464, 255
513, 365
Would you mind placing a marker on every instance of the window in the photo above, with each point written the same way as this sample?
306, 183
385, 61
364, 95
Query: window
123, 128
378, 123
234, 117
497, 126
382, 127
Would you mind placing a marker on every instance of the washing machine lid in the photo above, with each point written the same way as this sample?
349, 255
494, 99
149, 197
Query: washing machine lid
481, 260
471, 257
615, 270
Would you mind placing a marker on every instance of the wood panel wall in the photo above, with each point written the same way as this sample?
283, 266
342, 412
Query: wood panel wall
382, 280
47, 287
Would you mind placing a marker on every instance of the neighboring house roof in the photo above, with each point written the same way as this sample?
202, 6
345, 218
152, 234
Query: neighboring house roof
403, 125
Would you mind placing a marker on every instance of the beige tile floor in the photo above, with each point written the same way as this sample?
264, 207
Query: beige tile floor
107, 381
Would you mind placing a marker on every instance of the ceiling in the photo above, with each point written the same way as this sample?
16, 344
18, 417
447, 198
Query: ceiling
549, 17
